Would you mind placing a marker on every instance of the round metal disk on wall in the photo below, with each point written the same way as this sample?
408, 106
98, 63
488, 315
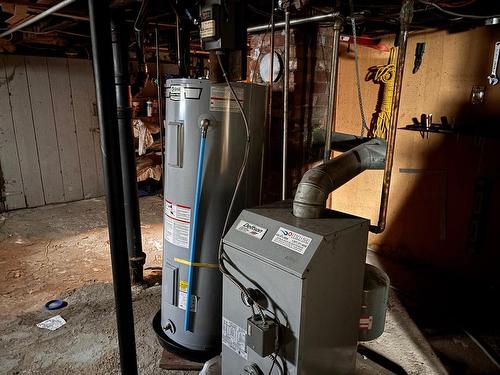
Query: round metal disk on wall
265, 67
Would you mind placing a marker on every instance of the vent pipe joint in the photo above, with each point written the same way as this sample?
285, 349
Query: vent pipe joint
317, 183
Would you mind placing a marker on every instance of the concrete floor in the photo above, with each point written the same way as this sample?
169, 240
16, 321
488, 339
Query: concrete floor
61, 251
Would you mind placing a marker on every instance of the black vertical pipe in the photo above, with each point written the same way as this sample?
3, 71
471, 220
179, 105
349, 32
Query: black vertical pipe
106, 106
127, 152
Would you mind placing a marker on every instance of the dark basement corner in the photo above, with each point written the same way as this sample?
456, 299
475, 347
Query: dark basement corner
249, 187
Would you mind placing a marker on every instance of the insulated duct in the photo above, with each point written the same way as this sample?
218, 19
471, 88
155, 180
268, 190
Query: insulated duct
317, 183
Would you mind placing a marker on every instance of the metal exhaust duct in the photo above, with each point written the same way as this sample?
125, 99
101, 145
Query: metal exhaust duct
317, 183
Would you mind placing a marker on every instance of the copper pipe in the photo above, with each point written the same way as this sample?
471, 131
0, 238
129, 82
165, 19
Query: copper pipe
405, 20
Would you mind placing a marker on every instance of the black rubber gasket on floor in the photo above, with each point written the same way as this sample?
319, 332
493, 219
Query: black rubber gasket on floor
200, 356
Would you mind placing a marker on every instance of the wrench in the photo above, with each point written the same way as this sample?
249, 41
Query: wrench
493, 78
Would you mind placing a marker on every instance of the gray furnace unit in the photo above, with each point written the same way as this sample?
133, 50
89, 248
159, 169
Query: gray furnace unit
308, 276
205, 145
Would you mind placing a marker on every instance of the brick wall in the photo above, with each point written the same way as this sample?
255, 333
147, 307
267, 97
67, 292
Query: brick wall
310, 53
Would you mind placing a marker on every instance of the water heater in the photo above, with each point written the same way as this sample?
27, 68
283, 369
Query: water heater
192, 107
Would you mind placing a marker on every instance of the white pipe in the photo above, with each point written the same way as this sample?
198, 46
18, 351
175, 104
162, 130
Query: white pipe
298, 21
38, 17
286, 89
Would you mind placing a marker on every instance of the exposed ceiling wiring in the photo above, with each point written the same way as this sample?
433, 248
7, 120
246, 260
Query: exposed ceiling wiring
457, 4
455, 14
53, 31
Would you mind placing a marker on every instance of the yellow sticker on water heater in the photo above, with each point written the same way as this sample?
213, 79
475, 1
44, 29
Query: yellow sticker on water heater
183, 285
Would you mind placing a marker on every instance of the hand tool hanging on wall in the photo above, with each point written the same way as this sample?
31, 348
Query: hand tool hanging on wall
419, 55
493, 78
383, 74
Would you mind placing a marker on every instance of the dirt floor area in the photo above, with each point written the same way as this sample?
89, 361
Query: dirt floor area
62, 251
53, 249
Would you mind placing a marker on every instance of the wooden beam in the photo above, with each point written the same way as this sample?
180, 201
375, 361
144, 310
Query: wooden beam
20, 13
23, 2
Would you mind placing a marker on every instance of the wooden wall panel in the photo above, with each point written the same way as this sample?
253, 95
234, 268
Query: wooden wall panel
49, 140
24, 130
82, 92
434, 178
96, 135
45, 130
12, 196
66, 130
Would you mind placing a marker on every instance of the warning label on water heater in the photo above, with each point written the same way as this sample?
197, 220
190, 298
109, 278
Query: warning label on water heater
221, 99
291, 240
177, 224
183, 302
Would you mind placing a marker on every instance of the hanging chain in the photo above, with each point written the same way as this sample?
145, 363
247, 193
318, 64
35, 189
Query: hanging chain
358, 80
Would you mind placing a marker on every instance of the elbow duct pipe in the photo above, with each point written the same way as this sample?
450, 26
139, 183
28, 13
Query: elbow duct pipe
317, 183
339, 141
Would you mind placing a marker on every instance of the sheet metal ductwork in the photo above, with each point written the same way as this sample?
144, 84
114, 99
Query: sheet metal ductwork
317, 183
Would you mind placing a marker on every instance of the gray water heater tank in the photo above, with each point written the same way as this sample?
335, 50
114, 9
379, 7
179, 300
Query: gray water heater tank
188, 103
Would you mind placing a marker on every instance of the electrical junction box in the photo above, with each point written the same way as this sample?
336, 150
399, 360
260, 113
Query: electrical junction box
261, 336
223, 25
311, 274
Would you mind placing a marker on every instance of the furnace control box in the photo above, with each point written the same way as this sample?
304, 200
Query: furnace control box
311, 274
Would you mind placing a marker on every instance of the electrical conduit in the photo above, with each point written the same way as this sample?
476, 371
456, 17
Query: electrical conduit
194, 228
